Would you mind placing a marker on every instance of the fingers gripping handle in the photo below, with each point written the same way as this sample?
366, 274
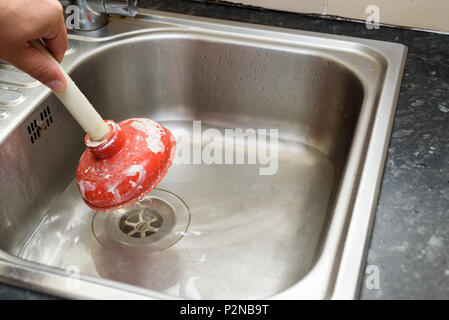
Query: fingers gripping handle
77, 104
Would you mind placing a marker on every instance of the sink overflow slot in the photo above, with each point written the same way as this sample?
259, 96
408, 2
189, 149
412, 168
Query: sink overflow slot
36, 127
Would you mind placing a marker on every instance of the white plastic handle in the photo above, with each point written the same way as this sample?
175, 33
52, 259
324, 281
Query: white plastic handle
77, 104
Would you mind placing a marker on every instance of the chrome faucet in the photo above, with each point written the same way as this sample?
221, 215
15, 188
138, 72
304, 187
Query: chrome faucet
93, 13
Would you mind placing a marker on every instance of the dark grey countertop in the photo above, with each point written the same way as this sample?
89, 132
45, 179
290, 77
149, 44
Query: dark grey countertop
411, 229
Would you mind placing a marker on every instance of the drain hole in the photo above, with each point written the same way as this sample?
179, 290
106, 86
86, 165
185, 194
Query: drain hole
154, 223
141, 223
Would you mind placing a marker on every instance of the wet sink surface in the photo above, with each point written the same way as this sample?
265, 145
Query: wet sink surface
250, 236
271, 226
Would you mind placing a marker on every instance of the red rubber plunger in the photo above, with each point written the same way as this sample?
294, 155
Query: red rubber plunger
126, 165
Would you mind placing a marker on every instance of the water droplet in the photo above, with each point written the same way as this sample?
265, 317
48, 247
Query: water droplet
3, 115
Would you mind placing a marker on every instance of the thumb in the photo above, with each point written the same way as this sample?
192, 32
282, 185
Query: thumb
42, 68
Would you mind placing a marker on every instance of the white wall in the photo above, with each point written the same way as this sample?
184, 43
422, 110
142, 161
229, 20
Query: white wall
422, 14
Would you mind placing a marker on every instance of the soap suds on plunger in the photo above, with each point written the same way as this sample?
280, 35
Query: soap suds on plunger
153, 131
86, 186
136, 169
112, 188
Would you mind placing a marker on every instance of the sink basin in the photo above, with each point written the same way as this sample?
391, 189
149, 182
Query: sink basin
284, 208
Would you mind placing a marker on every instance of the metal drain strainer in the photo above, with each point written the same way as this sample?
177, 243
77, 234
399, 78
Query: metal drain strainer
141, 223
155, 223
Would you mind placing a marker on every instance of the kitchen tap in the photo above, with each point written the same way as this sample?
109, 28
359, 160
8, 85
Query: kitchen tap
93, 13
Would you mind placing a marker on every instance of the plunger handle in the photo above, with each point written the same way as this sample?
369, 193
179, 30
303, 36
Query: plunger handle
77, 104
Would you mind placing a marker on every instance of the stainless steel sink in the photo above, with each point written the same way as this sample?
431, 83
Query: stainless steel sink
229, 232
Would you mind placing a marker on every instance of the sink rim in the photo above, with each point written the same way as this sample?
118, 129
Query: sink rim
366, 180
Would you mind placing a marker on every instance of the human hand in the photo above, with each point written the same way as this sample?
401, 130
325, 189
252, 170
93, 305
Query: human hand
22, 21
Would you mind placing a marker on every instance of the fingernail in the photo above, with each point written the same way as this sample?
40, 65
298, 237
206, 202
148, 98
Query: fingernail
56, 85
